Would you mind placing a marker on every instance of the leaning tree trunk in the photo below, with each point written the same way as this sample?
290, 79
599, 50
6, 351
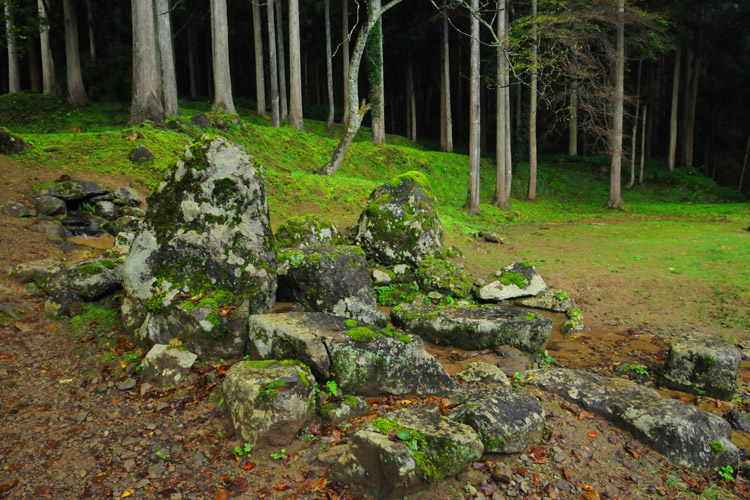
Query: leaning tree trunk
147, 99
673, 115
48, 65
260, 86
472, 199
76, 90
532, 104
14, 76
446, 142
166, 53
223, 101
282, 61
274, 73
329, 65
295, 68
615, 197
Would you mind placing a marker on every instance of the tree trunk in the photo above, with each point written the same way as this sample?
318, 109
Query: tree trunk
412, 101
147, 99
295, 68
615, 196
272, 61
76, 90
643, 142
192, 63
166, 53
49, 87
634, 140
692, 105
34, 70
446, 138
460, 111
375, 66
671, 160
223, 101
685, 105
532, 104
282, 61
573, 122
14, 76
508, 135
90, 19
500, 199
744, 163
472, 199
345, 56
329, 65
260, 86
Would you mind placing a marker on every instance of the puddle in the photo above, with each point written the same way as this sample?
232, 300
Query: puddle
84, 247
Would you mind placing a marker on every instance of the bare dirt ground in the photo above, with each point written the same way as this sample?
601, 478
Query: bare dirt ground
72, 429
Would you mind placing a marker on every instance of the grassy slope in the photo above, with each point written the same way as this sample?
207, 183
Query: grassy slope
671, 231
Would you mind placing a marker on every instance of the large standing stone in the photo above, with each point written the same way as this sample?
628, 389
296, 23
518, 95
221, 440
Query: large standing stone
400, 224
331, 279
203, 259
515, 280
474, 327
702, 364
362, 360
269, 401
308, 231
688, 436
84, 281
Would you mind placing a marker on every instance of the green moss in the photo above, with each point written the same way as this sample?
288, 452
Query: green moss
716, 446
326, 408
267, 394
350, 322
509, 277
275, 384
351, 401
708, 360
362, 334
562, 296
416, 177
296, 231
224, 191
406, 339
108, 264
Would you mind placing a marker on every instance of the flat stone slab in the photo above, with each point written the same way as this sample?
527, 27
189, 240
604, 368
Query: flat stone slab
515, 280
676, 429
474, 327
362, 360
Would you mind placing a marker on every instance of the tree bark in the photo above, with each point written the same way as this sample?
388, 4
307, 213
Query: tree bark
76, 90
345, 56
329, 65
744, 163
295, 68
223, 101
671, 159
282, 61
92, 41
692, 105
14, 76
573, 123
615, 196
260, 87
532, 104
375, 66
472, 199
412, 100
446, 142
634, 140
273, 69
643, 142
34, 69
685, 105
147, 99
192, 63
500, 199
49, 87
166, 53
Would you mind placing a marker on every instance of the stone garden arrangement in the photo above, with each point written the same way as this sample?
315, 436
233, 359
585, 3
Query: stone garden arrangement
201, 271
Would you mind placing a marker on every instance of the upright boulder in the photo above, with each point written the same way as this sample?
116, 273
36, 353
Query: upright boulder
400, 224
308, 231
203, 259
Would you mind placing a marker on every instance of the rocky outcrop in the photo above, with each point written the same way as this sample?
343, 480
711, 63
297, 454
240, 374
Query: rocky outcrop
701, 364
362, 360
515, 280
688, 436
308, 231
407, 451
167, 365
203, 259
552, 299
84, 281
332, 279
437, 275
400, 224
269, 400
474, 327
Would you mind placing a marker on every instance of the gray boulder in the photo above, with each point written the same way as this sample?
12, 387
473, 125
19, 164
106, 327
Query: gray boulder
406, 451
331, 279
36, 271
574, 322
125, 196
123, 224
688, 436
446, 278
515, 280
203, 259
400, 224
74, 190
50, 227
474, 327
84, 281
13, 209
506, 421
167, 365
140, 155
484, 373
107, 210
11, 144
362, 360
308, 231
702, 364
269, 401
50, 205
552, 299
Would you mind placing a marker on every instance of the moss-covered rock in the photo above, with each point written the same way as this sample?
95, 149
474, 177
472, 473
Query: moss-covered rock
515, 280
308, 231
437, 275
551, 299
400, 224
574, 323
203, 259
11, 144
331, 279
84, 281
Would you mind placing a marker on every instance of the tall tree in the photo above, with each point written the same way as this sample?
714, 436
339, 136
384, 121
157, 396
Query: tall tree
502, 137
282, 61
329, 64
76, 90
345, 56
533, 102
472, 198
260, 86
90, 22
615, 197
411, 101
49, 87
573, 122
272, 64
634, 135
147, 97
166, 55
14, 77
446, 119
223, 101
376, 78
295, 68
672, 154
